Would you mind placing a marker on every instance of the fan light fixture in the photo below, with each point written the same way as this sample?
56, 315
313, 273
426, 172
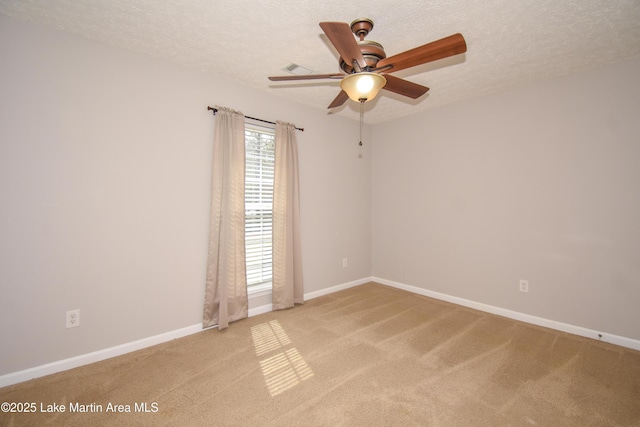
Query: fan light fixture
363, 87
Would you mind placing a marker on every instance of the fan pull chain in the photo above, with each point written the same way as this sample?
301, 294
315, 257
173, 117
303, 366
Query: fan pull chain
362, 101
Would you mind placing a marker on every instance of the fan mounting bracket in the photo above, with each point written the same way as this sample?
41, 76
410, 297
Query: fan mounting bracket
361, 27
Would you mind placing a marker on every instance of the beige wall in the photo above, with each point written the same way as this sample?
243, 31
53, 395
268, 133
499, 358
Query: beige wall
540, 183
104, 187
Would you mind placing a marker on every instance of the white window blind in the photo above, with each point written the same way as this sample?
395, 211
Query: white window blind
258, 202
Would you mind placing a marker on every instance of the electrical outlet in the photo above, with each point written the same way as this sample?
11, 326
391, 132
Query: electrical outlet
345, 262
524, 286
73, 318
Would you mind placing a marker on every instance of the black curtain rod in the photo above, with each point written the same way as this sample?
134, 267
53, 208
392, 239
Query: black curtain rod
215, 110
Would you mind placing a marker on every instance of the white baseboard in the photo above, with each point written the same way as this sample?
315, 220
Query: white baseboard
107, 353
552, 324
260, 310
327, 291
96, 356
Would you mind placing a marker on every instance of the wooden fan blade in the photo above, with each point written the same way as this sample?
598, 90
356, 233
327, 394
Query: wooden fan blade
339, 100
340, 35
404, 87
439, 49
306, 77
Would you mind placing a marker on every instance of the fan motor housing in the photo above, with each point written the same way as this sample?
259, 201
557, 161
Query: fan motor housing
372, 52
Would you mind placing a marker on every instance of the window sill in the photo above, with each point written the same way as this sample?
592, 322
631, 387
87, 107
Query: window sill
259, 290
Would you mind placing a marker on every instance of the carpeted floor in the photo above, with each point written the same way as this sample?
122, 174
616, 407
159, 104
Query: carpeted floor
367, 356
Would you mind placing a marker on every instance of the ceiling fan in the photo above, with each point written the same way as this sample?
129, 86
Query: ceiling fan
366, 66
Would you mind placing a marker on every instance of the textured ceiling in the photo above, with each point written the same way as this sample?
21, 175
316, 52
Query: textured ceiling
510, 42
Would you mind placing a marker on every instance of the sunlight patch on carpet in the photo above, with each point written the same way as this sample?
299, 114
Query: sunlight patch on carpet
268, 337
284, 369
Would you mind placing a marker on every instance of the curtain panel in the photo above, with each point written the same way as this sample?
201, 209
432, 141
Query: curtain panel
287, 251
226, 282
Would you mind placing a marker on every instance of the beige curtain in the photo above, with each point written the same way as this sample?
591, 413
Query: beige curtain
287, 253
226, 284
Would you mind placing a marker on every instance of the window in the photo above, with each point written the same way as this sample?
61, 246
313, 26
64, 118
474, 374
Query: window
258, 204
